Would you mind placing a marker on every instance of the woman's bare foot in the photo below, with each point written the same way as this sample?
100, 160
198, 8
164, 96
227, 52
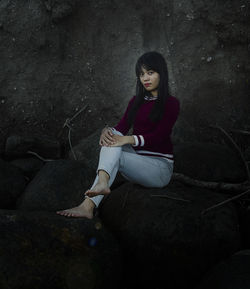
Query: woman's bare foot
101, 188
85, 209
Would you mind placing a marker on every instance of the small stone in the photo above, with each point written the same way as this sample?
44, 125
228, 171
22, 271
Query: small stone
98, 226
209, 59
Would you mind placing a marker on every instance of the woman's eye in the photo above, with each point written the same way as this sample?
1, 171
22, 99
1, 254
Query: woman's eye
150, 72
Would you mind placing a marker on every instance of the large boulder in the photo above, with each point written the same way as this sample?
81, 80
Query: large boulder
209, 162
12, 184
30, 166
170, 243
43, 250
231, 273
44, 147
59, 184
88, 150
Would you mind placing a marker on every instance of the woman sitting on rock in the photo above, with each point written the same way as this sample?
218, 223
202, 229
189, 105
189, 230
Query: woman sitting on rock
146, 156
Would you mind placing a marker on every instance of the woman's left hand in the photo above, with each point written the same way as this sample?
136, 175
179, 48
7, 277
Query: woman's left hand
118, 141
122, 140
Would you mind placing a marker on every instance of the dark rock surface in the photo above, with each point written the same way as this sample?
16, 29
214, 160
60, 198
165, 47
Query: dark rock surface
58, 56
12, 184
42, 250
58, 185
244, 218
232, 273
168, 243
29, 166
17, 146
208, 162
88, 150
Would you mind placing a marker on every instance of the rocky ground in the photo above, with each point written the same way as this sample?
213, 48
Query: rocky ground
139, 238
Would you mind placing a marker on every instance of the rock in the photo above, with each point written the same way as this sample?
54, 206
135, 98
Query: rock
231, 273
168, 243
43, 250
208, 162
247, 153
29, 166
60, 9
12, 184
88, 150
45, 147
59, 184
243, 207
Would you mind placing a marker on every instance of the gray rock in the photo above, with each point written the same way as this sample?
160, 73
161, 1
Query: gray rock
231, 273
42, 250
88, 150
30, 166
168, 243
45, 147
58, 185
60, 9
61, 66
208, 162
12, 184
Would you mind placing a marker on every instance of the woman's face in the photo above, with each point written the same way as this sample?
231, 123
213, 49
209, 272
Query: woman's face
150, 80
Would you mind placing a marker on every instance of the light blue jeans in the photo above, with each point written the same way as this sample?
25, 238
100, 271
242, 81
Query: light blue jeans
147, 171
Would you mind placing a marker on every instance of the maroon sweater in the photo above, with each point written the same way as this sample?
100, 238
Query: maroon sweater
152, 138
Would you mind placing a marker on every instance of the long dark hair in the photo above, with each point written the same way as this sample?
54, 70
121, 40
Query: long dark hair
151, 61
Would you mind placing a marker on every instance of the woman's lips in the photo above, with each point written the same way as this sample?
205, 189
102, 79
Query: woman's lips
147, 84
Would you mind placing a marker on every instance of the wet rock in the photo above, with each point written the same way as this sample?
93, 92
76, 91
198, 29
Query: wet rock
208, 162
42, 250
17, 146
12, 184
231, 273
164, 238
59, 184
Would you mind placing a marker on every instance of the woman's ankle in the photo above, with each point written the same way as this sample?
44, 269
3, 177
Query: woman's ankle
88, 203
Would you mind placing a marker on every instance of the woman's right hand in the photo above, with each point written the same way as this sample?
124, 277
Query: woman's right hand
106, 138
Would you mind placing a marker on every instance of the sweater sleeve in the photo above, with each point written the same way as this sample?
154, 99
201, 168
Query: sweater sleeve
164, 127
123, 125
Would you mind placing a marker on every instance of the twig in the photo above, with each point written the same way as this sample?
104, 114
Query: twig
172, 198
225, 202
236, 148
68, 124
39, 157
245, 132
68, 121
70, 144
210, 185
78, 112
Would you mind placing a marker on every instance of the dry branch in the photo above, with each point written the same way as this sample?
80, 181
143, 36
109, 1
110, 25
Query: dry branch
225, 202
170, 197
211, 185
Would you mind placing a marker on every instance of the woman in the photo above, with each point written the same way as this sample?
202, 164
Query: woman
146, 156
